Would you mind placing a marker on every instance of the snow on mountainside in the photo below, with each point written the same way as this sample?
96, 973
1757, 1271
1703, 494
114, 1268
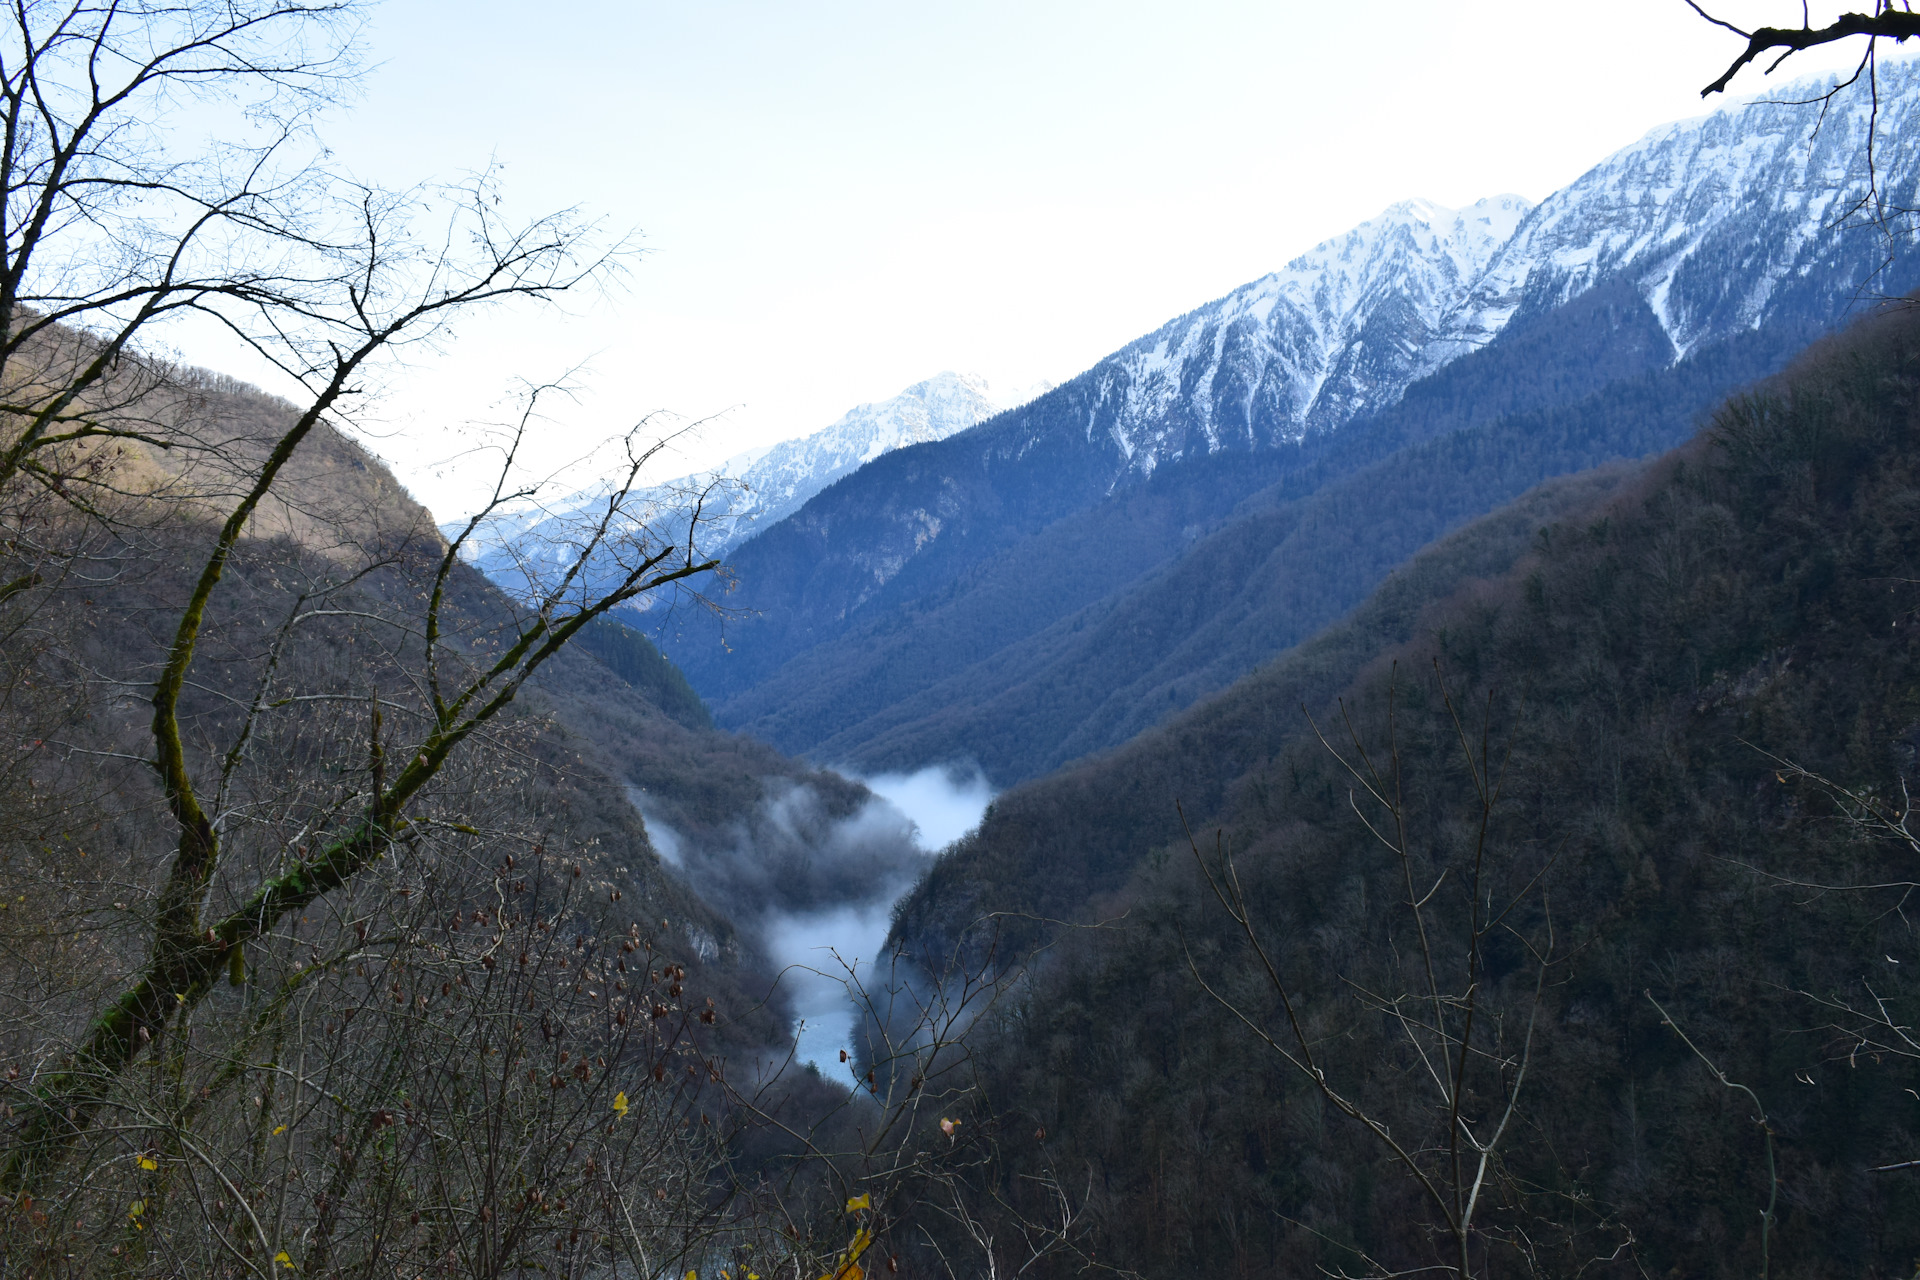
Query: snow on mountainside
1719, 222
779, 480
1339, 330
1712, 218
758, 487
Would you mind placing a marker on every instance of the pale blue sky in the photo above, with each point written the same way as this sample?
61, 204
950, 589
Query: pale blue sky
842, 197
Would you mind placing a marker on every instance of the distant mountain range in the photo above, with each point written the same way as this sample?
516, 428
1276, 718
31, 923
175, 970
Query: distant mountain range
763, 486
1060, 576
780, 479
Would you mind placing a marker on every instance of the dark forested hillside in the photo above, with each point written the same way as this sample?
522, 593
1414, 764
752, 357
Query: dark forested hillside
504, 969
1693, 692
633, 658
1287, 560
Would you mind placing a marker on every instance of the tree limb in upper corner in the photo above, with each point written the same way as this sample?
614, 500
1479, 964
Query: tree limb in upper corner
1886, 22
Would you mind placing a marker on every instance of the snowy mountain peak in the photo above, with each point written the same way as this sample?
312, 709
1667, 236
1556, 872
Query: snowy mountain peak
1341, 329
780, 479
1467, 237
1416, 251
1718, 223
769, 482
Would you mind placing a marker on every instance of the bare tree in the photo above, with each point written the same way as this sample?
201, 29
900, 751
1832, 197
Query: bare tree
109, 229
1888, 20
1466, 1053
108, 232
190, 949
352, 1012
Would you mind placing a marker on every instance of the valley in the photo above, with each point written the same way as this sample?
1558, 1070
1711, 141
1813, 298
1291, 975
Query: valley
1140, 601
1405, 768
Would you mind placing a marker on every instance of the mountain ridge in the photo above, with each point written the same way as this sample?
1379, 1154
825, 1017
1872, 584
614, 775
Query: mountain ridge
1670, 226
752, 489
1289, 559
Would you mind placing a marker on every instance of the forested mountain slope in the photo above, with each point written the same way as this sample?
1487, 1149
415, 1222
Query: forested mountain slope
911, 611
304, 893
1241, 576
1693, 690
607, 724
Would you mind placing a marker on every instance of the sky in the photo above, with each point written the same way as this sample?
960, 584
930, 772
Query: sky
839, 198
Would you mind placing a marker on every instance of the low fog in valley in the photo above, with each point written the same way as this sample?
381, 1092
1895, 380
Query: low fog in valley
817, 894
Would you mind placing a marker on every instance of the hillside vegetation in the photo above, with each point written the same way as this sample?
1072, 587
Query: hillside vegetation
416, 1067
1697, 683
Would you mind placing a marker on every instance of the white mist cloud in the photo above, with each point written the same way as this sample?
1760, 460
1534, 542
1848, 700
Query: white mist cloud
831, 950
666, 841
821, 955
945, 801
819, 891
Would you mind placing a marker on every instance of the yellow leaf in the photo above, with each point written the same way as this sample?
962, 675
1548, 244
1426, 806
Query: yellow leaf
620, 1103
862, 1201
148, 1162
850, 1268
277, 1132
137, 1208
283, 1259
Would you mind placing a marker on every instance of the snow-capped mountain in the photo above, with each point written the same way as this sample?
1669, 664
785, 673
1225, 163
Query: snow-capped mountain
1719, 223
778, 480
1705, 229
1341, 329
750, 490
1714, 219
